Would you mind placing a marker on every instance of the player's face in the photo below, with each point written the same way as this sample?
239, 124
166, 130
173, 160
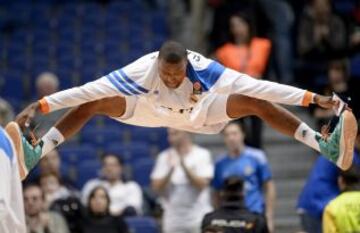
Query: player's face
233, 137
172, 74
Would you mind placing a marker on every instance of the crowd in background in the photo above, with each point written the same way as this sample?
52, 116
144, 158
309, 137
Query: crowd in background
313, 44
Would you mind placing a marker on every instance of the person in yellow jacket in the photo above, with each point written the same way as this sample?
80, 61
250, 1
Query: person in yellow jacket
342, 215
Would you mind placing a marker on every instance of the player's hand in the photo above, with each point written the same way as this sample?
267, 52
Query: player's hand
326, 101
25, 117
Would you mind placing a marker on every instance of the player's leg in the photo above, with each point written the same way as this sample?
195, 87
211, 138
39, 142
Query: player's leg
66, 127
338, 148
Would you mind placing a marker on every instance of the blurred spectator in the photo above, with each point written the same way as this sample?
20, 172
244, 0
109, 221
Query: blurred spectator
46, 83
38, 219
342, 214
245, 52
181, 177
61, 199
340, 83
51, 163
250, 164
281, 20
97, 218
6, 112
232, 215
321, 36
52, 188
320, 188
321, 32
187, 22
126, 196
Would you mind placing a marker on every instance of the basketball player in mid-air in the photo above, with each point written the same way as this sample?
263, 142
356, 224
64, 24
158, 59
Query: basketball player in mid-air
182, 89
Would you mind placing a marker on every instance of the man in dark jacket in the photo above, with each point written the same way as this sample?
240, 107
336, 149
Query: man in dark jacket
232, 216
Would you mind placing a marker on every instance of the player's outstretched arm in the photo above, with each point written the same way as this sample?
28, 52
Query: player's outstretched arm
72, 97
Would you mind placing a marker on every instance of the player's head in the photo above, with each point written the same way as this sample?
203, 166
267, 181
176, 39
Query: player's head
177, 138
33, 200
357, 142
99, 201
111, 167
233, 136
172, 63
232, 190
350, 180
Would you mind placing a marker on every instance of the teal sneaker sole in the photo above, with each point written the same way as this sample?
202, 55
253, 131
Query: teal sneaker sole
15, 134
347, 140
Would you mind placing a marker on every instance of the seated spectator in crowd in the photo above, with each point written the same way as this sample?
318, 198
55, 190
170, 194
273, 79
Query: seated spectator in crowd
51, 163
181, 177
321, 32
39, 219
126, 196
321, 36
250, 164
232, 215
52, 188
338, 83
6, 112
342, 214
245, 52
47, 83
61, 199
97, 218
343, 85
320, 188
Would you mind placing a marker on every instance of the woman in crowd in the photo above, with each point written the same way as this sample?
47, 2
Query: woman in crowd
97, 218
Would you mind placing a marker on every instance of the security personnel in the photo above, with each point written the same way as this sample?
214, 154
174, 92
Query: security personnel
232, 216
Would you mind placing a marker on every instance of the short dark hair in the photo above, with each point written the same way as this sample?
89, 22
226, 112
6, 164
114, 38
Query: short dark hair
172, 52
109, 154
232, 189
351, 177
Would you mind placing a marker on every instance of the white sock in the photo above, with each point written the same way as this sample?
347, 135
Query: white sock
51, 139
306, 135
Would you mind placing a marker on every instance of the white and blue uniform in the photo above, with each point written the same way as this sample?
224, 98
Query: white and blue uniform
12, 217
150, 103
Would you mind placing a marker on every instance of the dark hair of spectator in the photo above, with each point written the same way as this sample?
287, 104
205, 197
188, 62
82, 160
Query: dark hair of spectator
118, 158
232, 189
172, 52
351, 178
213, 229
92, 195
250, 22
27, 186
